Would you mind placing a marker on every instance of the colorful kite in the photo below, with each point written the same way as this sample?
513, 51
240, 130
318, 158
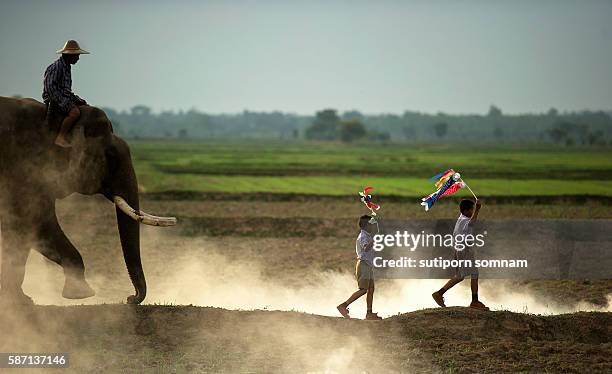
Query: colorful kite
448, 183
366, 198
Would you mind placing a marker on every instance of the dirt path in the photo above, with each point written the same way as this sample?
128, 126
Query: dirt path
113, 338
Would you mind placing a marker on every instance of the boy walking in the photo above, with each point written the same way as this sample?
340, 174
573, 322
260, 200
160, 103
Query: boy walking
364, 270
463, 227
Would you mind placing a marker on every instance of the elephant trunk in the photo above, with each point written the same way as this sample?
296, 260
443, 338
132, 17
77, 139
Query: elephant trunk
126, 187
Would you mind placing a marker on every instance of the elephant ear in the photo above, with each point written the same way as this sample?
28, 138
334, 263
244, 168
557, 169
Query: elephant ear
112, 158
78, 138
78, 148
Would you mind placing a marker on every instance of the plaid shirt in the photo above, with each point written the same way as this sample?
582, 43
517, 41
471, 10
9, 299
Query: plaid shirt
57, 87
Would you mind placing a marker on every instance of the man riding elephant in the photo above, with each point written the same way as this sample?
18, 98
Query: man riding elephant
35, 174
57, 91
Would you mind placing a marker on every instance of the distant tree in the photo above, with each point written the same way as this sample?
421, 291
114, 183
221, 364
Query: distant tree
379, 136
352, 114
440, 129
183, 134
409, 132
577, 132
553, 112
352, 130
498, 133
596, 138
141, 110
557, 134
494, 111
583, 133
325, 126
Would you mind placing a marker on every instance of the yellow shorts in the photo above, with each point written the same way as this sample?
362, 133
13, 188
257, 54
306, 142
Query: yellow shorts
364, 274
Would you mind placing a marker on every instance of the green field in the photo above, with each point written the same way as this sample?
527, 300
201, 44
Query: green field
337, 169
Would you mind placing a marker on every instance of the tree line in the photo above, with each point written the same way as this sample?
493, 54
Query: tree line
494, 127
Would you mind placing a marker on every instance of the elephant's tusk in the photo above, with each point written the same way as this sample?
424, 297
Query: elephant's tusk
143, 217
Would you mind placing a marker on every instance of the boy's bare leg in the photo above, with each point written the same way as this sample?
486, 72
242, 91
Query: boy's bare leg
450, 284
343, 308
475, 302
356, 295
438, 295
67, 124
369, 300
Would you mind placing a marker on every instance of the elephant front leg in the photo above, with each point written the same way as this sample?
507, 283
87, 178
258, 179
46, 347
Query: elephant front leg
15, 251
57, 247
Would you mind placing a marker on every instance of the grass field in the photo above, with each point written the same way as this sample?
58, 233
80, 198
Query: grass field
336, 169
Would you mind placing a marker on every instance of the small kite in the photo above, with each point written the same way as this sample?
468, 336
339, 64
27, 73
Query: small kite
366, 198
448, 183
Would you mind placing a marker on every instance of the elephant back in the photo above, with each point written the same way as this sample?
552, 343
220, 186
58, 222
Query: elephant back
27, 138
25, 128
23, 132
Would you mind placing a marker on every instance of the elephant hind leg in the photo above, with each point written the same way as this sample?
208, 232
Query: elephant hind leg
15, 252
54, 245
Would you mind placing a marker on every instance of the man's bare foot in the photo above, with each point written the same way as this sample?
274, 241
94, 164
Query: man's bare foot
478, 305
343, 310
62, 142
439, 299
373, 317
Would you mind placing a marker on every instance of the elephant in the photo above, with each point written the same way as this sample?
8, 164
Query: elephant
34, 173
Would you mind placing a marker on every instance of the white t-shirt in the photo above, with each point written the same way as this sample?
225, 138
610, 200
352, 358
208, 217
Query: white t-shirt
463, 227
364, 240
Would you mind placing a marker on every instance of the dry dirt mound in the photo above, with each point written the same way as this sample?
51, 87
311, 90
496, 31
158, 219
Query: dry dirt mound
122, 338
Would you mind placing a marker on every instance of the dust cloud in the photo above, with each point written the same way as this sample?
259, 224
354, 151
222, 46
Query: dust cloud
202, 275
202, 271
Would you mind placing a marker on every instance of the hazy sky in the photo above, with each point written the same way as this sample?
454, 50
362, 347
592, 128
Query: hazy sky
301, 56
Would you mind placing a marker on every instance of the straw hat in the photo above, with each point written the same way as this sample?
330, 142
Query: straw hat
72, 48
